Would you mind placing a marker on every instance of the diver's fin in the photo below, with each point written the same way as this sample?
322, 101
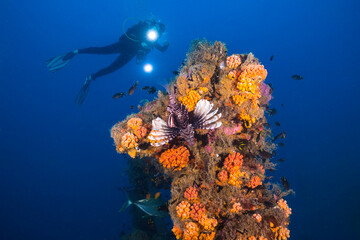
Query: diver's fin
83, 91
127, 203
56, 63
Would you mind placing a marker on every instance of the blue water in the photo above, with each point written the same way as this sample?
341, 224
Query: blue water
59, 171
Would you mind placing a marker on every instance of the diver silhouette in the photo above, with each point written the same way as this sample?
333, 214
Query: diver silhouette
137, 41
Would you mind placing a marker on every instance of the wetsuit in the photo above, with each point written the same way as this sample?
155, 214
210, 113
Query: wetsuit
128, 48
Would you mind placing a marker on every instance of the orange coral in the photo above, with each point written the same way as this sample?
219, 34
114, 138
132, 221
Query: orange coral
191, 231
223, 176
247, 85
175, 158
257, 217
234, 178
281, 233
203, 90
261, 169
209, 224
190, 100
177, 232
252, 238
207, 236
233, 162
191, 193
247, 119
254, 70
120, 148
206, 79
239, 99
129, 140
254, 182
197, 210
183, 210
140, 132
132, 153
233, 61
236, 208
134, 123
283, 205
232, 74
262, 238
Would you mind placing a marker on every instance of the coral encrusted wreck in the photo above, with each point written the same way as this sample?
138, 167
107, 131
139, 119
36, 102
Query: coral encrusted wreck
210, 136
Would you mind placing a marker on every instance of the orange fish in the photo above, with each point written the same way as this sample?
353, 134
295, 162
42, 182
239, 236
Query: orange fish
148, 196
157, 195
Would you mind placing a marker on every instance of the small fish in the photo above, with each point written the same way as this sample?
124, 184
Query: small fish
272, 111
281, 144
189, 75
280, 135
157, 195
148, 196
143, 101
271, 88
132, 107
132, 88
118, 95
152, 90
258, 137
269, 204
175, 72
272, 57
281, 160
265, 154
285, 183
297, 77
241, 144
145, 88
277, 124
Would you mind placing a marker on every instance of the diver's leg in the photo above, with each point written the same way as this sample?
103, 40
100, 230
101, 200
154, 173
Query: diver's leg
117, 64
110, 49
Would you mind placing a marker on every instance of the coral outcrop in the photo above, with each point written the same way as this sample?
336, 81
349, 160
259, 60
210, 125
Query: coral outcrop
210, 135
175, 158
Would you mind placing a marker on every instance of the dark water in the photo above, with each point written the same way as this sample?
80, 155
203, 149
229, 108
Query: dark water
59, 171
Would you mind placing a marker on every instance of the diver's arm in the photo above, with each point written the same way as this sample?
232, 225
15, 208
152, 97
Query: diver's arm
162, 48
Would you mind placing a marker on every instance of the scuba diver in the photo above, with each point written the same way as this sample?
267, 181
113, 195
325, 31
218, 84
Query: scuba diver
137, 41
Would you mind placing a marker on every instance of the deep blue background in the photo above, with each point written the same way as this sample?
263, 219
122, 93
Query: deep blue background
59, 169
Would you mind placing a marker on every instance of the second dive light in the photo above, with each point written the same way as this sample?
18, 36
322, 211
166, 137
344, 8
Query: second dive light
148, 68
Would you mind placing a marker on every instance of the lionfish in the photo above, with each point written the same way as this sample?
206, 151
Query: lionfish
180, 124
